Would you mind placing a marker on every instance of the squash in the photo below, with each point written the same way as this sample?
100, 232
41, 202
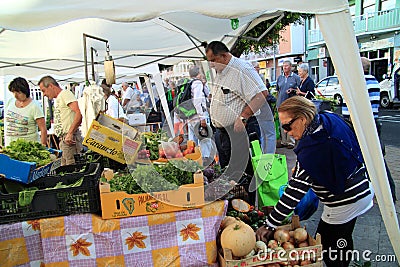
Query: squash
228, 220
239, 238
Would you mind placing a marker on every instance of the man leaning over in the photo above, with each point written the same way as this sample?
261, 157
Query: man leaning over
237, 95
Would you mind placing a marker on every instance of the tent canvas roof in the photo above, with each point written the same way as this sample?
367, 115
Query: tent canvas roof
34, 30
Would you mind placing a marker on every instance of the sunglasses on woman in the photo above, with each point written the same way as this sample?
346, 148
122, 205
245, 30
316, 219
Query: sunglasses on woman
288, 126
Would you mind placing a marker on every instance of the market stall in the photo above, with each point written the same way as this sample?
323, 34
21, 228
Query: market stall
184, 238
166, 29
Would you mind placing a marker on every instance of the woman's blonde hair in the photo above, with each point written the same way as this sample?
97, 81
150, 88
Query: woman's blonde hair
298, 106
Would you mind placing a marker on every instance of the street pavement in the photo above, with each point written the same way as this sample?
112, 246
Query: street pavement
370, 232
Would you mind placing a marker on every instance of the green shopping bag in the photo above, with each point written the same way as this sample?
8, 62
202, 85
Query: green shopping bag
271, 173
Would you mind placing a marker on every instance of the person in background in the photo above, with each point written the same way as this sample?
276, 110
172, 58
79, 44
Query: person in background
307, 86
24, 117
373, 89
178, 123
145, 97
119, 96
206, 90
67, 118
130, 98
172, 85
113, 107
267, 84
256, 66
396, 81
329, 161
265, 120
199, 99
286, 85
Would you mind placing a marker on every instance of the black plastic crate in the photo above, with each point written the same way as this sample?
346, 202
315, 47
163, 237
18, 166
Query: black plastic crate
106, 162
240, 191
84, 198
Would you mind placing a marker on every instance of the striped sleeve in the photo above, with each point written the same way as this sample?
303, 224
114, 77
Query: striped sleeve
296, 189
373, 93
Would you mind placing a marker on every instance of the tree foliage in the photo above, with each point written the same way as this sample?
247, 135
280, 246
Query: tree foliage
273, 36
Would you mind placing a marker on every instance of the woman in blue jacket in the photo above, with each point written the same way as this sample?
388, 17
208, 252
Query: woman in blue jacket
329, 161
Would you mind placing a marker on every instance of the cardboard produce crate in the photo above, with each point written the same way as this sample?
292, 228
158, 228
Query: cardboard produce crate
226, 259
121, 204
27, 172
112, 138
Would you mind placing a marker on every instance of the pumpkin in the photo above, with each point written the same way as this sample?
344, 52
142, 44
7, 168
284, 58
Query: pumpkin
228, 220
239, 238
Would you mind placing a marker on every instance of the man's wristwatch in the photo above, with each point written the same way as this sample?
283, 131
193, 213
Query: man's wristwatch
243, 119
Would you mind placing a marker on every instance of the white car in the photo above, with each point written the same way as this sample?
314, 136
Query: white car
329, 87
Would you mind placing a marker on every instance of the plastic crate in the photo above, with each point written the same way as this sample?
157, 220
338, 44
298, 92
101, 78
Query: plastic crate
56, 202
96, 157
240, 191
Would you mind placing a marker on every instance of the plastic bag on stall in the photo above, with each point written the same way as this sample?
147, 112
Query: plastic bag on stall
169, 150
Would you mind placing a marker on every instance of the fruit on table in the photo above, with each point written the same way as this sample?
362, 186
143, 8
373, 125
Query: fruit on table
300, 235
239, 238
281, 236
228, 220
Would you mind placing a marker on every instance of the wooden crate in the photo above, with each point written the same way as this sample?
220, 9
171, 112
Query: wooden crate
226, 258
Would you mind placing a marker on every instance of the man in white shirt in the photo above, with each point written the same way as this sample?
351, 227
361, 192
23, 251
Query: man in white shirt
113, 107
130, 98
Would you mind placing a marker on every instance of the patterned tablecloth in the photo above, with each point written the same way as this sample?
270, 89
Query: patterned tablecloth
185, 238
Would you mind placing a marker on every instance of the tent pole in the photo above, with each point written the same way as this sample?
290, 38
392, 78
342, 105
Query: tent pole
92, 50
190, 36
85, 58
85, 52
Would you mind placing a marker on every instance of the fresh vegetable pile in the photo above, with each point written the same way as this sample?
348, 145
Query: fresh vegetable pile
29, 151
255, 218
155, 178
150, 143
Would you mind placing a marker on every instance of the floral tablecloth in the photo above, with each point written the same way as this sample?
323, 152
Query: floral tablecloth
185, 238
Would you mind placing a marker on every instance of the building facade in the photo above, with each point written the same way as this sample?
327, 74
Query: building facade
377, 29
291, 47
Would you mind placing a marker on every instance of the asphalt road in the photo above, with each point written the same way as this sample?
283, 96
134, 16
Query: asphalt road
390, 126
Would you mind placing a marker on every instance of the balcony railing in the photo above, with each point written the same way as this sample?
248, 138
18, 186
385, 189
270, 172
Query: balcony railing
369, 22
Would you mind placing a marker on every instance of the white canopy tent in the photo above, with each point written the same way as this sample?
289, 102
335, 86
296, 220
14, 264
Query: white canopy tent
40, 30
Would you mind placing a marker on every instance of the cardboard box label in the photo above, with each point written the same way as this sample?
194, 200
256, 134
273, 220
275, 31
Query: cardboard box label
98, 135
108, 137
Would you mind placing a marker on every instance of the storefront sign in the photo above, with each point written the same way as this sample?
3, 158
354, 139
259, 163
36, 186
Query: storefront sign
321, 52
262, 64
298, 59
377, 44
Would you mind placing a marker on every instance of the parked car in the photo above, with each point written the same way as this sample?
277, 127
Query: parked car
272, 89
1, 109
388, 99
329, 87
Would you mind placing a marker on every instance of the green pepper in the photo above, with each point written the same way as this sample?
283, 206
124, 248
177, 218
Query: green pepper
232, 213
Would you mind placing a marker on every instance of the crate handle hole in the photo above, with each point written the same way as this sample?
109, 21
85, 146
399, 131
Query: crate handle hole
118, 204
188, 196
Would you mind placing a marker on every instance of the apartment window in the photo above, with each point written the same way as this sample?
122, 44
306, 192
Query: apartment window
352, 10
368, 6
313, 25
386, 4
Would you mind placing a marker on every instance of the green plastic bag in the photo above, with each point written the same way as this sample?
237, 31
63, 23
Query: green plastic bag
271, 173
